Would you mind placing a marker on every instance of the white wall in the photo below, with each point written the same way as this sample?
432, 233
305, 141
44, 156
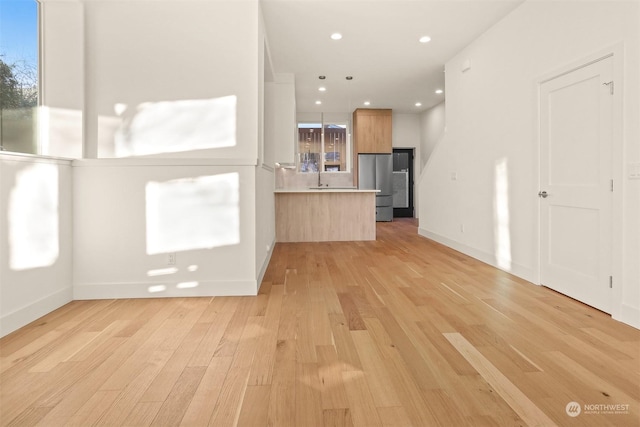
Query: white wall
264, 214
405, 133
62, 83
138, 52
42, 281
282, 107
114, 254
102, 56
491, 118
432, 126
265, 220
35, 238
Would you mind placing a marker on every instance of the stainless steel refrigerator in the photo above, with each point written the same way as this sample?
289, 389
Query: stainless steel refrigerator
375, 172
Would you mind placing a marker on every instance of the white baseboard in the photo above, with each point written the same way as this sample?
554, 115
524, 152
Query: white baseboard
87, 291
33, 311
521, 271
629, 315
265, 264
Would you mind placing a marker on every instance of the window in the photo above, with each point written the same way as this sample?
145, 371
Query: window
309, 146
324, 145
19, 76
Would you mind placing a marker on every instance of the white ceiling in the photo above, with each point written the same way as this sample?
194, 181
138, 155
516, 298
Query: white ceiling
379, 48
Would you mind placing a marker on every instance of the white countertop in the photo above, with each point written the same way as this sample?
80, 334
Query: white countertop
324, 190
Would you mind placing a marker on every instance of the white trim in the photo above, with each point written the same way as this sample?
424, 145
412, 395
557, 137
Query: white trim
519, 270
612, 50
628, 315
597, 58
33, 158
23, 316
617, 209
162, 161
265, 264
209, 288
41, 57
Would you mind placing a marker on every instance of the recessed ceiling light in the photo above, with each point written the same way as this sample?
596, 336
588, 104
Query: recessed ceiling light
322, 89
424, 39
418, 104
336, 36
367, 103
318, 102
439, 91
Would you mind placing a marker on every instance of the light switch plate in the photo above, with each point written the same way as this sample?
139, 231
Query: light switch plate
634, 170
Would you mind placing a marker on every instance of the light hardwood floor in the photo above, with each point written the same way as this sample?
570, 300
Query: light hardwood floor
396, 332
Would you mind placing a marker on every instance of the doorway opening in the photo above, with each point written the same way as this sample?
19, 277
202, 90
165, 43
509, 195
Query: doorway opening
403, 182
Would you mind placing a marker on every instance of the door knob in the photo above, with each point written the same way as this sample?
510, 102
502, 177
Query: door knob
543, 194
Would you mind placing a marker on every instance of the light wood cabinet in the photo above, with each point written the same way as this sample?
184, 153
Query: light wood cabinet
325, 216
372, 130
371, 134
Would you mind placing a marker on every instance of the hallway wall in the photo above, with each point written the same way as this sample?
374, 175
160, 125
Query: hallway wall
35, 238
491, 121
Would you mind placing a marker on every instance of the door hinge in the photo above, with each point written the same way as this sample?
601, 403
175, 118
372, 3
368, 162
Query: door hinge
612, 186
610, 84
610, 282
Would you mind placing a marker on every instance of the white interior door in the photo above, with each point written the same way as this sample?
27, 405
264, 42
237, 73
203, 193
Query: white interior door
576, 131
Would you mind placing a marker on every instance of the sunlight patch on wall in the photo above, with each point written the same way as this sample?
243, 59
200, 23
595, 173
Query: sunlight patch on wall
174, 126
154, 289
162, 272
502, 233
108, 128
187, 285
60, 132
33, 218
193, 213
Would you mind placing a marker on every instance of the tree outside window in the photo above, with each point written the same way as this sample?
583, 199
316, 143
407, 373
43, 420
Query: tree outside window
18, 75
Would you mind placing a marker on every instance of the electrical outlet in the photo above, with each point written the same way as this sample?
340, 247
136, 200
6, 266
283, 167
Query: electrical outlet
171, 258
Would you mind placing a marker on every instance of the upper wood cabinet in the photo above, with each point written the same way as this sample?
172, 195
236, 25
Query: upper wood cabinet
372, 131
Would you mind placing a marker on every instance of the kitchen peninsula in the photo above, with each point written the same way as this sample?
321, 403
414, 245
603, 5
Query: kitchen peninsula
326, 214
